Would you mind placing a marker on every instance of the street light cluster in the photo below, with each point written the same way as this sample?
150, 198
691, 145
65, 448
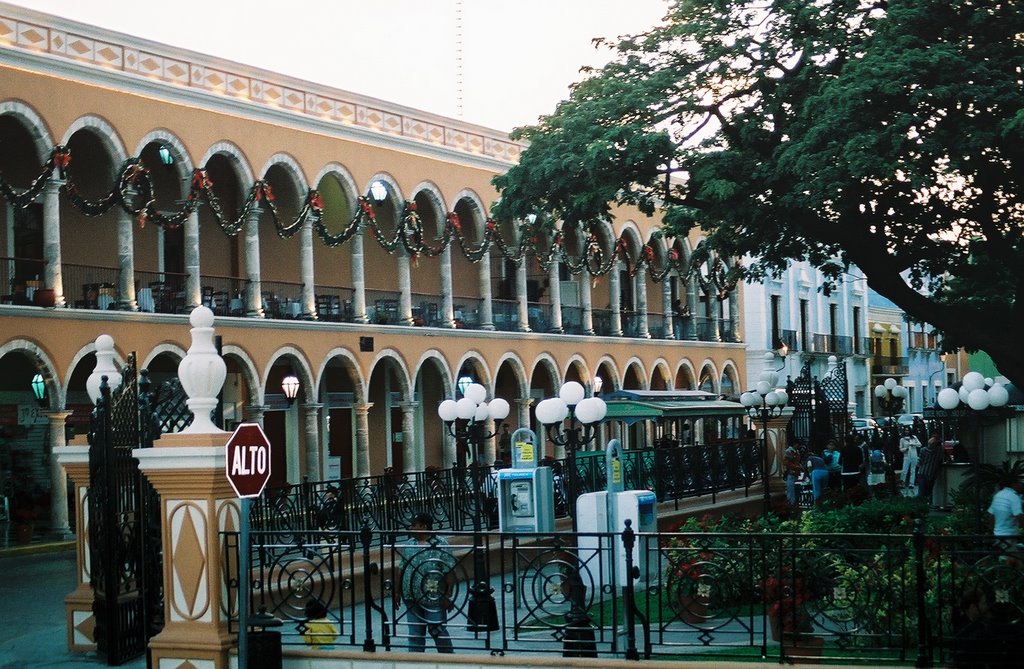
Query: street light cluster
890, 395
763, 403
473, 406
571, 399
976, 392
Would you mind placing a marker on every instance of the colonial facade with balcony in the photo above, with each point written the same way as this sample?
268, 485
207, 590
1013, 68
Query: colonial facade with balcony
338, 238
790, 311
907, 351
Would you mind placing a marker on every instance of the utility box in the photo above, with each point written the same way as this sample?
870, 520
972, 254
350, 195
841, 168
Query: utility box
526, 493
607, 511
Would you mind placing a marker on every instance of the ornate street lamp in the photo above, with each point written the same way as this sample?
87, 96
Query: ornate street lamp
465, 420
976, 399
583, 414
763, 403
890, 396
378, 192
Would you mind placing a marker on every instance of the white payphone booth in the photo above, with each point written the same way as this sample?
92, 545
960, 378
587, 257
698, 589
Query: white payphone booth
607, 511
526, 491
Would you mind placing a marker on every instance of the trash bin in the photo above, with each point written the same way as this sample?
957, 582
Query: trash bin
264, 647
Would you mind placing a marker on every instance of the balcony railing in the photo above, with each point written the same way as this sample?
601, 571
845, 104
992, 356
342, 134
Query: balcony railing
506, 315
890, 366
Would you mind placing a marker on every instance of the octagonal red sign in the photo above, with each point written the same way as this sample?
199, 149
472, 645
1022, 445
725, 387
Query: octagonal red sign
247, 460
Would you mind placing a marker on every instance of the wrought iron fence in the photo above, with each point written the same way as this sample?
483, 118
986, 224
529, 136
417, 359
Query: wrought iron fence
867, 598
387, 502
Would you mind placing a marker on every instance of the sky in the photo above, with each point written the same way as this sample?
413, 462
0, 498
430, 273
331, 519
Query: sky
519, 57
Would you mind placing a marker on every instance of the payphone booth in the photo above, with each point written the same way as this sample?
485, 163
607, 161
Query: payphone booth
526, 499
607, 511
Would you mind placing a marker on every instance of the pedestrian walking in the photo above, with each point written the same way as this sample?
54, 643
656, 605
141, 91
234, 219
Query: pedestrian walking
928, 463
1006, 512
792, 469
426, 584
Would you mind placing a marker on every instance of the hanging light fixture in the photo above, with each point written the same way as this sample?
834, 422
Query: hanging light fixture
379, 192
39, 389
290, 386
166, 158
463, 383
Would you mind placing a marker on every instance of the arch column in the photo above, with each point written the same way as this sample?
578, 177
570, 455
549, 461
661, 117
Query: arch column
193, 278
52, 276
615, 297
411, 453
126, 259
486, 305
691, 301
362, 414
714, 319
669, 318
311, 419
734, 316
587, 302
59, 525
306, 269
447, 303
253, 413
555, 288
254, 286
404, 288
640, 283
359, 277
521, 304
523, 405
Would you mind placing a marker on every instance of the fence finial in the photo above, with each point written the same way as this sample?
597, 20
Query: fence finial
202, 373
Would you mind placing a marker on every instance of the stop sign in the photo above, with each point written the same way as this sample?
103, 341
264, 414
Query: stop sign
247, 460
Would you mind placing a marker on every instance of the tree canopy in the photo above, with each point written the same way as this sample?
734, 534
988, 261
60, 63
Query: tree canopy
885, 135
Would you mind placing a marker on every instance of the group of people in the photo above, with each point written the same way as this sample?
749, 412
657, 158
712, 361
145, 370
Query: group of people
861, 460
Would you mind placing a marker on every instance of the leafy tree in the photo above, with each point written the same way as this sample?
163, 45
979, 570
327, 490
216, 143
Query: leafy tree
882, 134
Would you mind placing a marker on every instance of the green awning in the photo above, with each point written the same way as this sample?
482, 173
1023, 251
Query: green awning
634, 411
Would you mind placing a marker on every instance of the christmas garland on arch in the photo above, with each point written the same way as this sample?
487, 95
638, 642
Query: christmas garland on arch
133, 191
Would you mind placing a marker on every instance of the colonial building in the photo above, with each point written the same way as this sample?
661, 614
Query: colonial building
340, 239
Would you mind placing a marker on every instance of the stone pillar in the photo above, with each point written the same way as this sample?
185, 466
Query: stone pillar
714, 318
59, 526
126, 260
314, 449
523, 405
358, 278
253, 413
193, 278
643, 328
52, 277
196, 505
587, 302
362, 413
555, 289
306, 269
447, 301
486, 296
74, 458
411, 454
254, 287
734, 315
691, 302
666, 307
404, 288
524, 312
615, 296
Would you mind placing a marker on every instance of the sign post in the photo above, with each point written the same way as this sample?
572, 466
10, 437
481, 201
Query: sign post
247, 464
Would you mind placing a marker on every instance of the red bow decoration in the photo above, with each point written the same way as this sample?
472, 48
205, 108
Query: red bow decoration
263, 191
316, 201
61, 157
200, 180
456, 222
142, 219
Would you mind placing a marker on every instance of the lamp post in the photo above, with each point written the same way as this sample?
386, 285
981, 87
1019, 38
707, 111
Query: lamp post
465, 420
584, 414
764, 403
890, 396
977, 395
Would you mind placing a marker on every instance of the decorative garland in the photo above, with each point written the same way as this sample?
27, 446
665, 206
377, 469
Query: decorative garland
133, 191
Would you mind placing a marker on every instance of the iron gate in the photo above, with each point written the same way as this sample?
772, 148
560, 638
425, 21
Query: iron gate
124, 522
820, 408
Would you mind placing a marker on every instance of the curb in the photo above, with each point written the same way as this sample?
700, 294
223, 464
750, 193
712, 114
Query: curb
36, 549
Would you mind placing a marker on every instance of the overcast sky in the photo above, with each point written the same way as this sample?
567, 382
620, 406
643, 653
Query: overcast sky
519, 56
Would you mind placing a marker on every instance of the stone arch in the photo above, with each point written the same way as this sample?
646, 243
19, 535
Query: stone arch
250, 373
660, 375
479, 364
608, 370
306, 379
104, 131
685, 376
392, 355
37, 128
351, 365
635, 367
729, 380
235, 158
708, 376
55, 389
174, 145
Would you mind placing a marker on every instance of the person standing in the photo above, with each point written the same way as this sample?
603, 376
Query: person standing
833, 464
853, 463
1006, 511
425, 585
819, 474
791, 471
928, 467
908, 447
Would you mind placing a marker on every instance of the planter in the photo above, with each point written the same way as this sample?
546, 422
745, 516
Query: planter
789, 627
804, 649
23, 533
44, 297
692, 609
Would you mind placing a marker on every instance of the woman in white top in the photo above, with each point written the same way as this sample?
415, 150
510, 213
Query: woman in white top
908, 447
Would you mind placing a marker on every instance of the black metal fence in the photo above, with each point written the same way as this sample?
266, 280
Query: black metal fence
871, 599
387, 502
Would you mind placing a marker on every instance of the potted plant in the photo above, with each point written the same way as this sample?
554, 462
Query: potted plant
22, 518
786, 600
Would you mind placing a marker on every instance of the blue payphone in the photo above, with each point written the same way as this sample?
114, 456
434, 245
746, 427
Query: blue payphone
526, 491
